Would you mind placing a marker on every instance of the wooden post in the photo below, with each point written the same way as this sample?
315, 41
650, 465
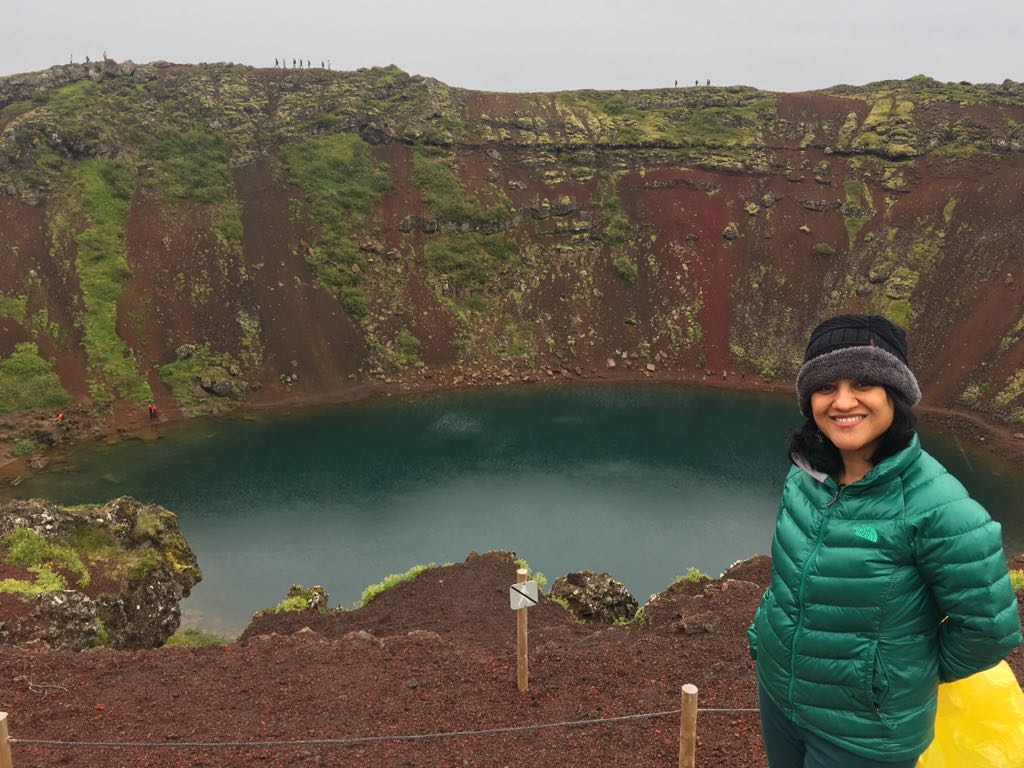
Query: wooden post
688, 727
5, 744
522, 671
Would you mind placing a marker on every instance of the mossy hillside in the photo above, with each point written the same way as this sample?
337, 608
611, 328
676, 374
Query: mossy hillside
859, 207
254, 112
340, 184
1012, 336
27, 381
444, 195
183, 377
765, 331
99, 194
194, 165
896, 271
889, 129
471, 268
716, 126
13, 306
906, 119
922, 90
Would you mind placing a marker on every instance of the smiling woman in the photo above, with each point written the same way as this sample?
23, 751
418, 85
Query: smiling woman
853, 416
887, 578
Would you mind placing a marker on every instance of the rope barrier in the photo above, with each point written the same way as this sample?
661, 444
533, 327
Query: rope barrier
355, 740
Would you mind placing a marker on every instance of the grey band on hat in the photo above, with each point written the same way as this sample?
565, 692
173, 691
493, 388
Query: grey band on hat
869, 364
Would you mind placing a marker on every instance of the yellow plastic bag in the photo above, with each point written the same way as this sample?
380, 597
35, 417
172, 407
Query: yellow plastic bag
979, 723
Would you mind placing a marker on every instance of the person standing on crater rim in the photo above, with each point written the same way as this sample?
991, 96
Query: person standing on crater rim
887, 578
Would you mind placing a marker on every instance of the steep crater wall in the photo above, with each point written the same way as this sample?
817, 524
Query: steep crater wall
202, 236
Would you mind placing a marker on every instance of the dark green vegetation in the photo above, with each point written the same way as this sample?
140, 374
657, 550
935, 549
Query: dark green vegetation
92, 215
444, 195
340, 184
49, 559
41, 558
27, 381
194, 638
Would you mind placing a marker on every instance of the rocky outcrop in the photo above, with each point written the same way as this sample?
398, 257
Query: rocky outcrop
595, 597
313, 598
62, 620
29, 84
108, 575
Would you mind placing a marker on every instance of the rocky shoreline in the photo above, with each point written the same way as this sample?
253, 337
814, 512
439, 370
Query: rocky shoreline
1000, 439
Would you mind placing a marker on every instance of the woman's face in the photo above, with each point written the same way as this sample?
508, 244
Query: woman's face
853, 415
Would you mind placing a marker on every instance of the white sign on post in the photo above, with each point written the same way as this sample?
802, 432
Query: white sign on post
522, 595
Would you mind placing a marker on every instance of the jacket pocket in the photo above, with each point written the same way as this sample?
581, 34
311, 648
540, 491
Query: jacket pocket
752, 632
880, 687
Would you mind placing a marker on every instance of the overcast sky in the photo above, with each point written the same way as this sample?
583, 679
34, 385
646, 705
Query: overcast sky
542, 45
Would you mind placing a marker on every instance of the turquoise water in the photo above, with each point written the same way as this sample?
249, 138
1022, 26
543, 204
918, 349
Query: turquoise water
642, 482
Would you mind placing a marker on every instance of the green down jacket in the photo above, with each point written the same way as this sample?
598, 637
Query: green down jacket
849, 638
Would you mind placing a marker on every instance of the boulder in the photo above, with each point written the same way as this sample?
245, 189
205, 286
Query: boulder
595, 597
139, 568
731, 231
219, 386
63, 620
47, 434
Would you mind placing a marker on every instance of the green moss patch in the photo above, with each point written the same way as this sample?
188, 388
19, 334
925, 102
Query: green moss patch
445, 197
194, 638
406, 350
472, 265
12, 307
30, 550
27, 381
1012, 389
374, 590
45, 581
194, 165
341, 185
100, 192
627, 267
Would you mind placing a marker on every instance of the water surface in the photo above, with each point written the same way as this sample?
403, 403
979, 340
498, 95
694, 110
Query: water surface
642, 482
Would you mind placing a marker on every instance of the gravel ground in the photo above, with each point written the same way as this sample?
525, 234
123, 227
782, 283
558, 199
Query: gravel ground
433, 655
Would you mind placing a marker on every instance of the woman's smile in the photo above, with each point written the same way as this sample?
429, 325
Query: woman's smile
853, 415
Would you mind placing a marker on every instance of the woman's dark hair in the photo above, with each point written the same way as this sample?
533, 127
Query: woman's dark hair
821, 453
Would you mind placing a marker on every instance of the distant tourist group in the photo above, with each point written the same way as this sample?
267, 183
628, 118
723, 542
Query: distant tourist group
88, 59
300, 64
695, 82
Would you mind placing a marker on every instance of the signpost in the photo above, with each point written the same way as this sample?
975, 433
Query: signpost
522, 595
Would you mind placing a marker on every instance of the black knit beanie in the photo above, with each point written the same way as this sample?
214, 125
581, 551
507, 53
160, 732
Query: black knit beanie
868, 348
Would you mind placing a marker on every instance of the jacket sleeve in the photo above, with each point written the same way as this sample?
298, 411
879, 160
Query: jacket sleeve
960, 556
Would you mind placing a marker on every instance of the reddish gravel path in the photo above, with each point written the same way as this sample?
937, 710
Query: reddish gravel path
440, 658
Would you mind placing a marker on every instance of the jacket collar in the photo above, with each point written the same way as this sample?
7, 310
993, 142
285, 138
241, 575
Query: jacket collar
878, 475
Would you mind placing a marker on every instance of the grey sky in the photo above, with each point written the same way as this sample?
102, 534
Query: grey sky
542, 45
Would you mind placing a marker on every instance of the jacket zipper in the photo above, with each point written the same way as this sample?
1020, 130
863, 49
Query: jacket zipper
800, 592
